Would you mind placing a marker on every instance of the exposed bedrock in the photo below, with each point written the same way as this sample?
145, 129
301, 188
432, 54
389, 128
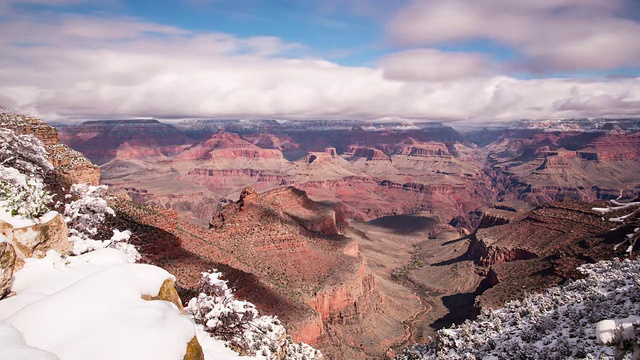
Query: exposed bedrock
369, 153
349, 301
251, 153
540, 249
422, 149
71, 167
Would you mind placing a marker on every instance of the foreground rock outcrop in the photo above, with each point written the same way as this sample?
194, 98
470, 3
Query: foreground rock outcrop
7, 266
50, 233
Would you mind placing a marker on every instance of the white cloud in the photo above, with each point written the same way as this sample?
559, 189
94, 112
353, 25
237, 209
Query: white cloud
550, 35
128, 67
432, 64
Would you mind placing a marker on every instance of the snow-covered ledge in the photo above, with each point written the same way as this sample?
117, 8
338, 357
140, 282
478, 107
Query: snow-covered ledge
93, 306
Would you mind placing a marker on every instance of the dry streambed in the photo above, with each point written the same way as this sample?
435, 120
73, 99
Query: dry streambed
420, 265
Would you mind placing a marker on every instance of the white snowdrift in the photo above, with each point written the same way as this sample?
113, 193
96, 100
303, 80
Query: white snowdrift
14, 348
90, 307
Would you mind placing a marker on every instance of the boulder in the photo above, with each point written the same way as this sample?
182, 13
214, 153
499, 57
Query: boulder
169, 293
194, 350
36, 240
7, 265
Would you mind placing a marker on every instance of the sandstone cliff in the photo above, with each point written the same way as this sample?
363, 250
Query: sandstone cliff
543, 167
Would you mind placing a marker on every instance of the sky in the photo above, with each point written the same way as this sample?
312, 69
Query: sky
453, 60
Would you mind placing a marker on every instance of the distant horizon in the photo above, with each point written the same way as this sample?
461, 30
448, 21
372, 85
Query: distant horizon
448, 61
459, 126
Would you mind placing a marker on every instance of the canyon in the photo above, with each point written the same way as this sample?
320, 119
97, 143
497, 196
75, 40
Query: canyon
365, 238
373, 170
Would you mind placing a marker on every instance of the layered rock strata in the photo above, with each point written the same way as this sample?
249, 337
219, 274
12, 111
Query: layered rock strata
540, 249
283, 252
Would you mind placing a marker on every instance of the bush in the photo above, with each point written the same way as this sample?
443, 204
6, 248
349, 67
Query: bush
558, 324
240, 325
25, 153
85, 214
22, 195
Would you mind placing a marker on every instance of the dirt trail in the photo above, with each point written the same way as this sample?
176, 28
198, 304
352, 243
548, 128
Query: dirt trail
410, 324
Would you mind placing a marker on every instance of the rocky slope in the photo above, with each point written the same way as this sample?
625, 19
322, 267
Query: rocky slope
285, 253
540, 167
369, 179
100, 141
375, 169
540, 248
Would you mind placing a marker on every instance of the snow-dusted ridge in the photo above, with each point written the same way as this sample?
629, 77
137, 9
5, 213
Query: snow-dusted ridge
558, 324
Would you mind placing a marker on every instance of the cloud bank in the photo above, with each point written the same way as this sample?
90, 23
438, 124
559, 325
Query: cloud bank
79, 66
549, 35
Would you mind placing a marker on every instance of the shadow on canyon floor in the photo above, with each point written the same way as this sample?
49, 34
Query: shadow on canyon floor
405, 224
461, 307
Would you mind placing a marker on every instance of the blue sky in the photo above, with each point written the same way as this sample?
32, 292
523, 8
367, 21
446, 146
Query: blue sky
477, 60
337, 31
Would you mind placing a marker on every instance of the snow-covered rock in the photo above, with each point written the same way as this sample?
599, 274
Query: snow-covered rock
92, 307
591, 318
49, 233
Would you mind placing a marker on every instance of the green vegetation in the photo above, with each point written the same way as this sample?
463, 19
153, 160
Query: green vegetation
400, 273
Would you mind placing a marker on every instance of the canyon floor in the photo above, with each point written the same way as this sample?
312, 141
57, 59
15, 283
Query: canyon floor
415, 258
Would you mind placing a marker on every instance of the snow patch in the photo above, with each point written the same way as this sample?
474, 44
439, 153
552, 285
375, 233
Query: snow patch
90, 306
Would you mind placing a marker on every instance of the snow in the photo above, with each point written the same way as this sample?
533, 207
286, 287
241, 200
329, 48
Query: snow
19, 222
215, 349
611, 331
90, 307
583, 319
120, 235
93, 297
14, 348
620, 206
605, 331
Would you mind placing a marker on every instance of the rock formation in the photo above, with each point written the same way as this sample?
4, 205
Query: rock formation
539, 167
7, 266
283, 252
37, 239
538, 249
100, 140
369, 177
280, 239
70, 166
371, 154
